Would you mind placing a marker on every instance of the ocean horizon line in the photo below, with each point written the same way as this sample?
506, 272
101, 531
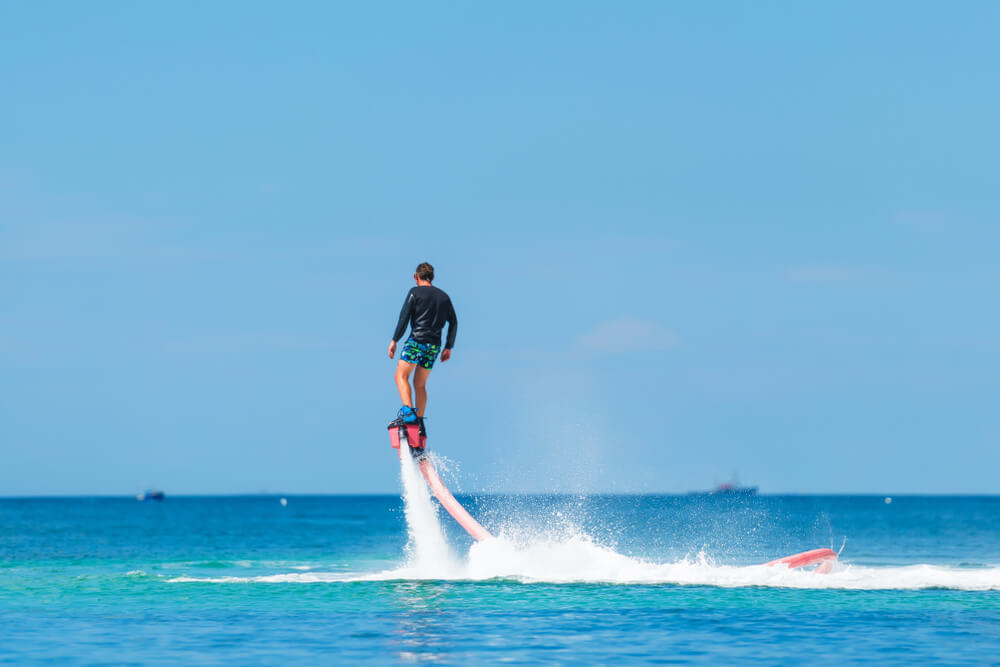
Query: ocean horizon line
540, 494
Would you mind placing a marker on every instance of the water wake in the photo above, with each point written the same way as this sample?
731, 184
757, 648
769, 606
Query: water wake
580, 560
574, 557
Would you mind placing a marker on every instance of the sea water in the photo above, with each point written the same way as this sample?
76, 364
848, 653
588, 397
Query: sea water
568, 579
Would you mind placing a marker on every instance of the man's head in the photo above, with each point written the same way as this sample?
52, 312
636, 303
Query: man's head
425, 273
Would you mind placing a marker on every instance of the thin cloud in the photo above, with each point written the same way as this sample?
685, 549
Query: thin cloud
928, 218
827, 273
627, 335
135, 239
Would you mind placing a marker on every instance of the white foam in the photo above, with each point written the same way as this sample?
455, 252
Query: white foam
580, 560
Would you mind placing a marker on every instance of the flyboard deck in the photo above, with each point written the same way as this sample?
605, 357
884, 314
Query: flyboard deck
407, 439
412, 442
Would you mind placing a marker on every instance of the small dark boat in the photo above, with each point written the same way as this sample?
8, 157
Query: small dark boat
733, 489
727, 489
152, 494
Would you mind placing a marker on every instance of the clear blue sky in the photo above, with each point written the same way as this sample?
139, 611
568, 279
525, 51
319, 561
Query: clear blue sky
683, 240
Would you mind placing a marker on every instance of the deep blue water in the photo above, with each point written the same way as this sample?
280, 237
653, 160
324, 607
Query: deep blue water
573, 579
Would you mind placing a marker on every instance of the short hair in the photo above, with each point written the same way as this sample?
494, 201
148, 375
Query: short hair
425, 271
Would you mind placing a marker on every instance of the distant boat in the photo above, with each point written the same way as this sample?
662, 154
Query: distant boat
734, 489
152, 494
727, 489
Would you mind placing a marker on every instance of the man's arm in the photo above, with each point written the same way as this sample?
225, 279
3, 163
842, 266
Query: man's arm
404, 319
452, 329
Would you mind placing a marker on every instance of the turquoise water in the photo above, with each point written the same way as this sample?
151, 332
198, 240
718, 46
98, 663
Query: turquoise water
569, 579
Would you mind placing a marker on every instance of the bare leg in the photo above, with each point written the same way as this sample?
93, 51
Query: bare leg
420, 385
403, 370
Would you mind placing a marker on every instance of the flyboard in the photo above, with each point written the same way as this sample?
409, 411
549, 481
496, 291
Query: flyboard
407, 438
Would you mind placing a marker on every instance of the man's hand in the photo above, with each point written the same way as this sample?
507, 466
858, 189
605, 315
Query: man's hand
392, 349
446, 354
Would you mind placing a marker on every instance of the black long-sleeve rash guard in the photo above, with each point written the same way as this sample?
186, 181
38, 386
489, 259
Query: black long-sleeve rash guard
426, 310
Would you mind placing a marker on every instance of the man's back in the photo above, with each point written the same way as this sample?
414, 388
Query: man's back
427, 309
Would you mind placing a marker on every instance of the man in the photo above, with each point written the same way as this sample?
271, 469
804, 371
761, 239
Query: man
426, 310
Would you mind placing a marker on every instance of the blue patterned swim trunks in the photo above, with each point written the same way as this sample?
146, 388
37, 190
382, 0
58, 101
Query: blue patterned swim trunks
421, 354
